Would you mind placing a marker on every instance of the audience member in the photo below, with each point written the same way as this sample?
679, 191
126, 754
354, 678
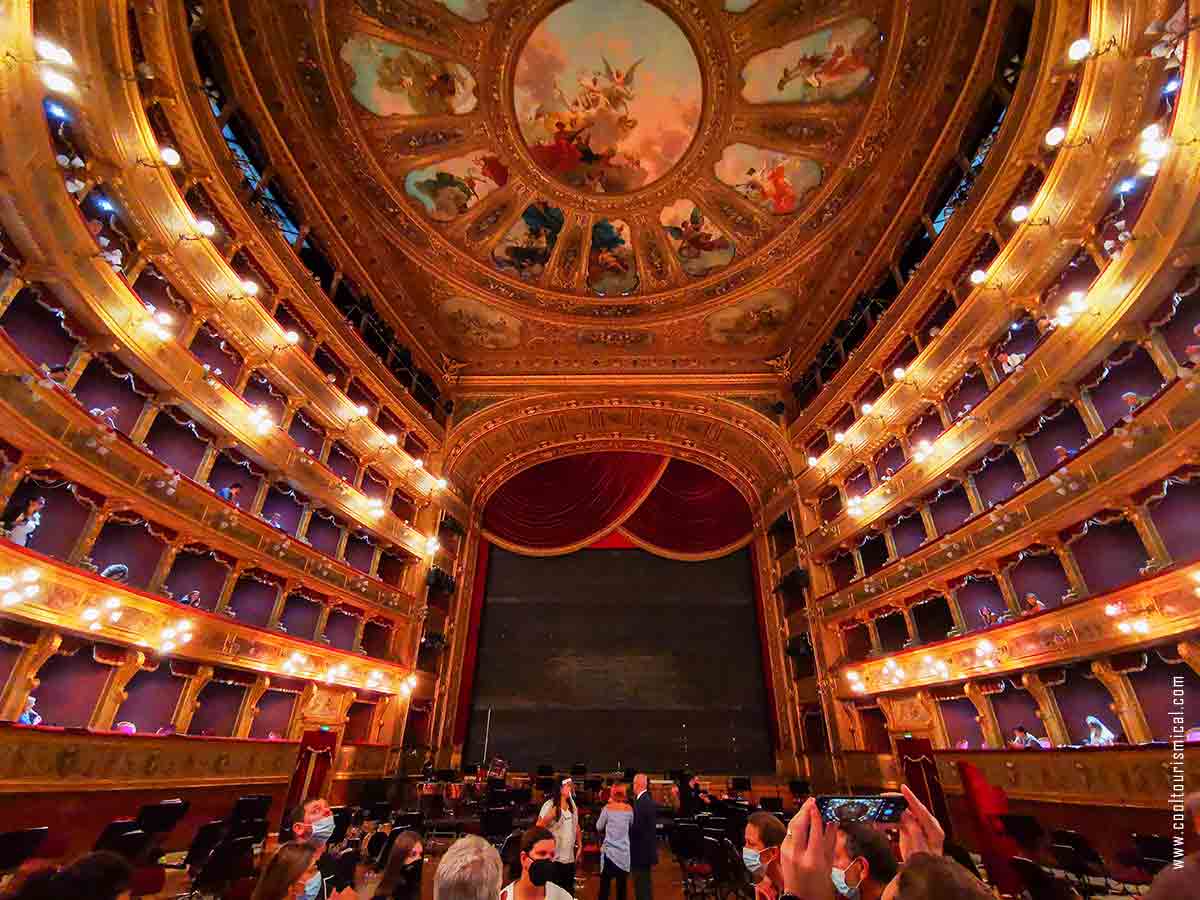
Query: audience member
312, 823
230, 492
118, 572
402, 877
1062, 454
30, 715
763, 838
469, 870
1177, 883
538, 847
26, 521
191, 598
614, 822
692, 798
1098, 733
276, 521
560, 815
926, 876
1023, 740
96, 876
988, 616
643, 838
286, 875
125, 728
863, 862
1032, 603
1132, 401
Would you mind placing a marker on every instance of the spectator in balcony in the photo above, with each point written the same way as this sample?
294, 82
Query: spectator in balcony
276, 521
1132, 401
1098, 733
1023, 740
1032, 604
118, 572
230, 493
1062, 454
1010, 362
26, 522
988, 616
106, 414
30, 715
191, 598
863, 862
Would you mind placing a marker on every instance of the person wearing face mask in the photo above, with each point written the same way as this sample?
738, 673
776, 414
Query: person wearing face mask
863, 862
560, 815
402, 877
538, 847
764, 834
312, 823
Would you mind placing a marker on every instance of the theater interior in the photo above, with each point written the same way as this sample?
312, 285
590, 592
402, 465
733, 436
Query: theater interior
799, 393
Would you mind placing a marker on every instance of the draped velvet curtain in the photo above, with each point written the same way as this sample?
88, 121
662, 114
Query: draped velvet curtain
666, 506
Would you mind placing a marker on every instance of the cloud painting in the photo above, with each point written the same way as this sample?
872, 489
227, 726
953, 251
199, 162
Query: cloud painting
449, 188
776, 182
830, 64
607, 94
701, 247
392, 80
612, 268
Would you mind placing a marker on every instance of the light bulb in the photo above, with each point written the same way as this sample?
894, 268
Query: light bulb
51, 52
391, 439
812, 460
170, 156
361, 409
292, 337
979, 276
840, 437
440, 484
58, 83
1079, 50
432, 544
10, 597
112, 603
30, 575
163, 318
866, 408
91, 614
1124, 627
898, 372
1149, 168
1152, 132
1019, 213
418, 463
168, 646
250, 288
205, 227
1126, 185
1156, 149
6, 583
1055, 136
1077, 301
31, 590
852, 676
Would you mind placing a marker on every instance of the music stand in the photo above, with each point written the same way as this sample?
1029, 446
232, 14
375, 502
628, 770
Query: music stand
251, 807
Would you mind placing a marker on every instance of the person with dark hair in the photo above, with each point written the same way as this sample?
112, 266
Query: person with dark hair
928, 876
1023, 740
402, 877
97, 876
118, 572
863, 862
230, 492
312, 823
643, 838
614, 822
692, 798
760, 854
560, 815
286, 873
27, 521
538, 848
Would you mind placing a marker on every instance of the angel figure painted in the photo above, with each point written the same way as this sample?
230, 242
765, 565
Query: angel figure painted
775, 182
701, 247
612, 269
392, 80
526, 246
449, 188
607, 95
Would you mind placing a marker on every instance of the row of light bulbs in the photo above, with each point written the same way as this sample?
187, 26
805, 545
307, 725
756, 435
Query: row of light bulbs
19, 586
298, 662
158, 321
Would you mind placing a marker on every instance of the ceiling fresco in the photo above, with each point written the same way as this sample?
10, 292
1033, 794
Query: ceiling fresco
629, 184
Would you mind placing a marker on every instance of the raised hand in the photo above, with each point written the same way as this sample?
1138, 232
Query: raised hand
807, 854
920, 832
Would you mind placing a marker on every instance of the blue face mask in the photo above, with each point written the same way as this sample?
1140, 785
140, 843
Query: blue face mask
850, 892
752, 858
312, 887
323, 829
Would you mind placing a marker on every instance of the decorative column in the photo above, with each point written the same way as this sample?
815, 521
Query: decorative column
359, 628
1156, 347
988, 723
1158, 556
376, 558
248, 708
212, 450
11, 284
113, 694
96, 518
359, 474
1071, 566
1007, 589
189, 698
165, 561
931, 532
339, 551
889, 540
260, 495
860, 570
951, 595
1082, 401
322, 620
1189, 652
327, 447
282, 592
990, 376
910, 623
1125, 702
244, 376
943, 412
1020, 448
22, 680
231, 580
377, 727
81, 356
1047, 709
141, 428
15, 474
971, 489
289, 412
873, 634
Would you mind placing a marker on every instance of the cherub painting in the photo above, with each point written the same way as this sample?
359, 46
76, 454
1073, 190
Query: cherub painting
607, 94
612, 269
392, 80
702, 249
472, 323
449, 188
752, 320
776, 182
526, 246
471, 10
830, 64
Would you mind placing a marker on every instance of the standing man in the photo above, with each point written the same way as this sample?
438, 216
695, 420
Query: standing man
643, 840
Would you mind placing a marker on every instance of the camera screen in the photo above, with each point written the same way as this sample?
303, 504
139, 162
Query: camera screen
861, 809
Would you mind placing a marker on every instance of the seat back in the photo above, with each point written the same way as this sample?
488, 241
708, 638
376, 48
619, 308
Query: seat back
18, 846
161, 818
130, 844
1068, 859
1153, 850
1081, 845
343, 870
255, 829
376, 842
691, 840
1038, 883
112, 833
230, 860
206, 837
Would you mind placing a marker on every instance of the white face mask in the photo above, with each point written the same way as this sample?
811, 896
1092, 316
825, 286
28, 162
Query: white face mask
849, 891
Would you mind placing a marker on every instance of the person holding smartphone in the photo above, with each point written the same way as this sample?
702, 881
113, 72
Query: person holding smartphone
560, 817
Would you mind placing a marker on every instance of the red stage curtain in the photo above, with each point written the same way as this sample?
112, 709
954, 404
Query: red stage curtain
690, 511
559, 504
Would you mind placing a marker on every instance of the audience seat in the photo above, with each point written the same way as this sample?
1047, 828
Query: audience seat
18, 846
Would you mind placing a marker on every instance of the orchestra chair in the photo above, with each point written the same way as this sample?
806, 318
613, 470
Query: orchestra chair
1153, 852
229, 862
158, 820
1039, 884
18, 846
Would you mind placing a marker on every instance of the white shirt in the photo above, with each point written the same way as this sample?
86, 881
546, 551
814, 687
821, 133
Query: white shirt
564, 829
553, 892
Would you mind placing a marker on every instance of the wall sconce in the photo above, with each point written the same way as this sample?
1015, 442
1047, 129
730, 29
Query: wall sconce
978, 276
432, 544
293, 663
260, 418
1081, 49
174, 635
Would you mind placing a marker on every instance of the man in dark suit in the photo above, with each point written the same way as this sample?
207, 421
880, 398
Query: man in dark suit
643, 840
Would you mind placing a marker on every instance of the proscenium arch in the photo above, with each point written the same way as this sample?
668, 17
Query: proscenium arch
737, 443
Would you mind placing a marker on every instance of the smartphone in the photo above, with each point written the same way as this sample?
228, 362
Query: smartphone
868, 808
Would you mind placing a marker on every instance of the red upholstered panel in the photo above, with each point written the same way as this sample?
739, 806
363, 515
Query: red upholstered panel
252, 601
274, 711
691, 510
358, 722
875, 733
564, 501
375, 639
1176, 516
99, 388
175, 445
340, 630
36, 330
152, 698
197, 572
69, 689
300, 616
218, 709
130, 544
